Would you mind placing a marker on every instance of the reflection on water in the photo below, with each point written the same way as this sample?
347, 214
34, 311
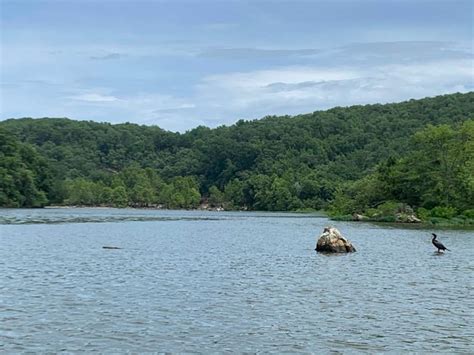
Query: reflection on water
215, 282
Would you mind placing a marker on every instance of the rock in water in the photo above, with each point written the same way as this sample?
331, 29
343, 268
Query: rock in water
331, 241
359, 217
407, 218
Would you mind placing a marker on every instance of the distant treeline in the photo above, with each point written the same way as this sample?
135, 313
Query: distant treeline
355, 159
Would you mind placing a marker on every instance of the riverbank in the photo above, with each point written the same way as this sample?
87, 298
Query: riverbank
153, 208
436, 222
459, 222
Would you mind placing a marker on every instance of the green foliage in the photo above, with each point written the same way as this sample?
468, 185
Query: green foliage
443, 212
80, 192
423, 213
216, 197
184, 193
343, 203
435, 176
469, 213
234, 194
388, 208
119, 196
353, 159
24, 175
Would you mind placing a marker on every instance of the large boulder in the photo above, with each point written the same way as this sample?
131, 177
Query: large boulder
331, 241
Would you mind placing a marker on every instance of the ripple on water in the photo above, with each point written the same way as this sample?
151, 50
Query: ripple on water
215, 282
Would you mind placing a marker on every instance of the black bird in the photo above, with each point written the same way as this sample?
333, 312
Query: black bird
438, 244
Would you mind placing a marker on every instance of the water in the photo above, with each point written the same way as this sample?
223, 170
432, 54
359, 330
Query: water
215, 282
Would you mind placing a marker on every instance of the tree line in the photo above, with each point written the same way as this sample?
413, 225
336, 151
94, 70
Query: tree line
346, 160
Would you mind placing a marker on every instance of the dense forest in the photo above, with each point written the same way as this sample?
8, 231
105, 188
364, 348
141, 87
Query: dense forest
366, 159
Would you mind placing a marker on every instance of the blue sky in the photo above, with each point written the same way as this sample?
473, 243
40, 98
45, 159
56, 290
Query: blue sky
180, 64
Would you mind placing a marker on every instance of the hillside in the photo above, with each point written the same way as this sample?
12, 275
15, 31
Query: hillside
276, 163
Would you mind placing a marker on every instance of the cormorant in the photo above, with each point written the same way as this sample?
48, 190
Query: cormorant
438, 244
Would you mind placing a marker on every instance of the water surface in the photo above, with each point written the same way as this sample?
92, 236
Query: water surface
221, 281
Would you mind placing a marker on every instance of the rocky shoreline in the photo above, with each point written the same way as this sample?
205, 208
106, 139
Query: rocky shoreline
156, 207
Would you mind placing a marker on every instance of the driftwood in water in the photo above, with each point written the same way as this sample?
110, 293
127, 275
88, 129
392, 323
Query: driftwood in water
106, 247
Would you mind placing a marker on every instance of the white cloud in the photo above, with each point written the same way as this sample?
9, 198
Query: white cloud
298, 90
94, 98
222, 99
263, 78
108, 56
256, 53
166, 111
355, 74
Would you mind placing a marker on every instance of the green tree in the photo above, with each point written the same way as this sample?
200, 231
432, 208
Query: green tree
23, 174
119, 196
216, 197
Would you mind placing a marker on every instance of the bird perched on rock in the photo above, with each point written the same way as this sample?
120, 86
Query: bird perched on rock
438, 244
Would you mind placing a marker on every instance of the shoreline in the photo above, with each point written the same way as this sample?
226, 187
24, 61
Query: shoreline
443, 225
453, 223
136, 208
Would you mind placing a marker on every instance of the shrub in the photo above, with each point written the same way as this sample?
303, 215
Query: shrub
423, 213
443, 212
469, 213
388, 208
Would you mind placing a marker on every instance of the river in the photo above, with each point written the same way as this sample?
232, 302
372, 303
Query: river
197, 281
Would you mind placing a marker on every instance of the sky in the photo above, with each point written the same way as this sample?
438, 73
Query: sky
180, 64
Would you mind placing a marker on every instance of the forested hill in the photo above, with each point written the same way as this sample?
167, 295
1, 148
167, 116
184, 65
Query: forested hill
276, 163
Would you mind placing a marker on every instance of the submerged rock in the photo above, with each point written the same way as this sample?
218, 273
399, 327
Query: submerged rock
331, 241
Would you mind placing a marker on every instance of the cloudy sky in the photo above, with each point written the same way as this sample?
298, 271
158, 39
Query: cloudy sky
180, 64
